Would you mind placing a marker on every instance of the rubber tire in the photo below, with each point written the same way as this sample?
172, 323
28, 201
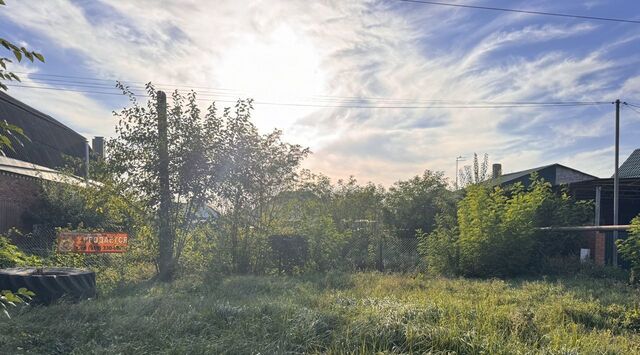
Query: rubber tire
52, 284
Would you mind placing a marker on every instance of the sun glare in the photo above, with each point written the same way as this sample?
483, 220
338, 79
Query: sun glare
280, 66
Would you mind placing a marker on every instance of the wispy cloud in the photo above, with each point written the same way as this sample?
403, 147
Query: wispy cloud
325, 52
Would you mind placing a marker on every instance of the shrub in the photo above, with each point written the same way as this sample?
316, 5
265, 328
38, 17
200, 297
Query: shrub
498, 235
629, 249
440, 247
11, 255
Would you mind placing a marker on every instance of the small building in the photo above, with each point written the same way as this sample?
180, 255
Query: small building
48, 145
49, 141
556, 174
583, 186
20, 184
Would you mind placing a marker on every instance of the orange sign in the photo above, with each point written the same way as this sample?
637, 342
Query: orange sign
77, 242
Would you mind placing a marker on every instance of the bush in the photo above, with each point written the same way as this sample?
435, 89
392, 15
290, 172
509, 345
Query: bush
498, 235
629, 249
11, 256
440, 247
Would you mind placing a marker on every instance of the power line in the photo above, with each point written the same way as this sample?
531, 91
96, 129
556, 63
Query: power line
530, 12
231, 93
631, 107
485, 105
340, 99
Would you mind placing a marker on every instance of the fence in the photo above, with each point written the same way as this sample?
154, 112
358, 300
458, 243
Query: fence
41, 242
389, 254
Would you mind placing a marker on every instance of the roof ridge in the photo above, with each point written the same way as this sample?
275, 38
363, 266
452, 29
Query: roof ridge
43, 116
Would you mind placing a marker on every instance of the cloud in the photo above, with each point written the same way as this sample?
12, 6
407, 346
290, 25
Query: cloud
328, 53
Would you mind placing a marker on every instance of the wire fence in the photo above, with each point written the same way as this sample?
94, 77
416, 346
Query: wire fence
385, 254
42, 242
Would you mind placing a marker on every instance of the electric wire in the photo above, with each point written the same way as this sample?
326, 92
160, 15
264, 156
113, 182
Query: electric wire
477, 105
232, 93
632, 107
529, 12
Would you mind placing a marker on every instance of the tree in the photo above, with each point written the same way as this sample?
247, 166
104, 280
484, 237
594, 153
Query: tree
133, 156
218, 160
479, 173
10, 133
413, 204
253, 170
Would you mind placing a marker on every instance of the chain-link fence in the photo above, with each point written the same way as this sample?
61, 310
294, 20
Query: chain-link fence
41, 242
359, 253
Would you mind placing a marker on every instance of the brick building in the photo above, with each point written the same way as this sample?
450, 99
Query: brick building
49, 143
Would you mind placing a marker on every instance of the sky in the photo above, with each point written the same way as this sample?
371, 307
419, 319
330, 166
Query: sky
303, 61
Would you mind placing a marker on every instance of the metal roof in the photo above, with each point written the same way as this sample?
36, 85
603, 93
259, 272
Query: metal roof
629, 188
631, 167
49, 139
18, 167
509, 178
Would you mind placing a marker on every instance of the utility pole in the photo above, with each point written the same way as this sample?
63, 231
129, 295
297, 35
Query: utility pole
165, 238
616, 187
458, 159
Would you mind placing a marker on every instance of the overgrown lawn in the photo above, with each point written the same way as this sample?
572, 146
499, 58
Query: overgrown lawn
338, 313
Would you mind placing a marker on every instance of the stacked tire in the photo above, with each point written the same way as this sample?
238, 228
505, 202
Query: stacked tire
50, 284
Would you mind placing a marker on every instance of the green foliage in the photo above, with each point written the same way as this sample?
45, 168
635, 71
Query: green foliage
216, 160
629, 249
11, 256
11, 133
10, 299
413, 204
440, 247
498, 235
102, 206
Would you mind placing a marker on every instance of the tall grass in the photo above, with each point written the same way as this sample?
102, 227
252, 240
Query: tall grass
338, 313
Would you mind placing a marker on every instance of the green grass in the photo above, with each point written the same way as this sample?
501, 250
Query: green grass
338, 313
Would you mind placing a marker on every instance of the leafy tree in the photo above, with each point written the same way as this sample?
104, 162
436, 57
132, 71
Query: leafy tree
308, 211
133, 156
413, 204
10, 133
629, 249
218, 160
254, 169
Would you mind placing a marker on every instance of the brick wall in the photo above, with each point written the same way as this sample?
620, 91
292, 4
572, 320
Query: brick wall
600, 248
17, 194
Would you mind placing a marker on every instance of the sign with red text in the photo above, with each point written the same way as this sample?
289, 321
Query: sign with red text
92, 243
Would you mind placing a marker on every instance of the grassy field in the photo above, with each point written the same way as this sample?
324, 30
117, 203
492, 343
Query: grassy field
338, 313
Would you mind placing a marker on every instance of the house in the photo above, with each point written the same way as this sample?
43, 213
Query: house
49, 140
631, 167
49, 143
556, 174
583, 186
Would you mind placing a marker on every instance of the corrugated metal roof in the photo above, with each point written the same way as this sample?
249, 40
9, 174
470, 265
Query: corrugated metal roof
50, 140
18, 167
631, 167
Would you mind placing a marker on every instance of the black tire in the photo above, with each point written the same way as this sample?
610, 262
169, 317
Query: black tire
50, 284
